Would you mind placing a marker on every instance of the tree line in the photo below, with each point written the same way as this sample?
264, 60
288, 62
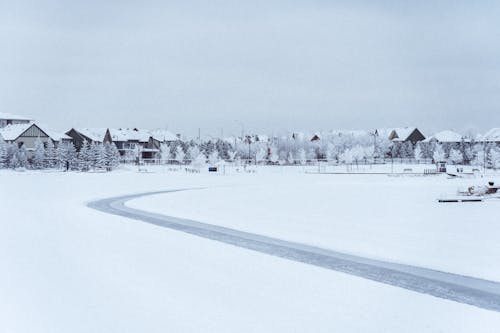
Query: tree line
64, 156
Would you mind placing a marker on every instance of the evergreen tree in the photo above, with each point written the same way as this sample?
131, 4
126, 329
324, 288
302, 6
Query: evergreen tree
417, 153
407, 150
179, 154
39, 155
115, 157
111, 156
455, 156
72, 156
199, 161
50, 159
22, 157
14, 160
67, 156
97, 154
214, 158
85, 157
438, 154
301, 156
4, 162
165, 152
495, 157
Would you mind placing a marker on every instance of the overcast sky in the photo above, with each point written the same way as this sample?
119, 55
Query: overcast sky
266, 66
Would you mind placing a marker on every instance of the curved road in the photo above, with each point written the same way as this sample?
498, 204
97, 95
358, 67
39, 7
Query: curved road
477, 292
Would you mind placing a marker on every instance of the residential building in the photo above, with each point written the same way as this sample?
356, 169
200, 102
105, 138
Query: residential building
26, 134
12, 119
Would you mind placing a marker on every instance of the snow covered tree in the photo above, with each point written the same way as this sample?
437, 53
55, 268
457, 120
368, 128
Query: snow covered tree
199, 161
479, 158
407, 150
97, 156
489, 158
214, 158
232, 155
66, 156
395, 150
466, 151
455, 156
179, 155
165, 152
39, 155
346, 156
50, 158
417, 152
115, 159
274, 157
301, 156
438, 154
21, 158
261, 155
111, 156
14, 160
495, 157
85, 156
4, 162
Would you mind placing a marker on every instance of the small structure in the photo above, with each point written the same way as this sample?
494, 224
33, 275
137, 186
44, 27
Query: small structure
441, 166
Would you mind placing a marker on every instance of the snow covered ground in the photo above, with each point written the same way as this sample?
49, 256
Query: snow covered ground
66, 267
390, 218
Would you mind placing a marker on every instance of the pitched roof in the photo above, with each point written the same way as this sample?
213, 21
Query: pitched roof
403, 133
493, 135
94, 134
57, 136
12, 132
129, 134
446, 136
163, 135
10, 116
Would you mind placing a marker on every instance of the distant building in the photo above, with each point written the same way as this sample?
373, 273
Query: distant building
79, 135
128, 141
406, 134
492, 136
315, 138
26, 134
449, 137
12, 119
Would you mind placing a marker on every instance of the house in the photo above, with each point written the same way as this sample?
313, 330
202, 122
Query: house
12, 119
132, 141
315, 138
79, 135
448, 137
492, 136
406, 134
26, 134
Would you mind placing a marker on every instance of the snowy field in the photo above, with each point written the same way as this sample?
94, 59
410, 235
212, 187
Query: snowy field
67, 268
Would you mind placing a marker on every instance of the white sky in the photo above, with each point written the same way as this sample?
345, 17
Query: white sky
265, 65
